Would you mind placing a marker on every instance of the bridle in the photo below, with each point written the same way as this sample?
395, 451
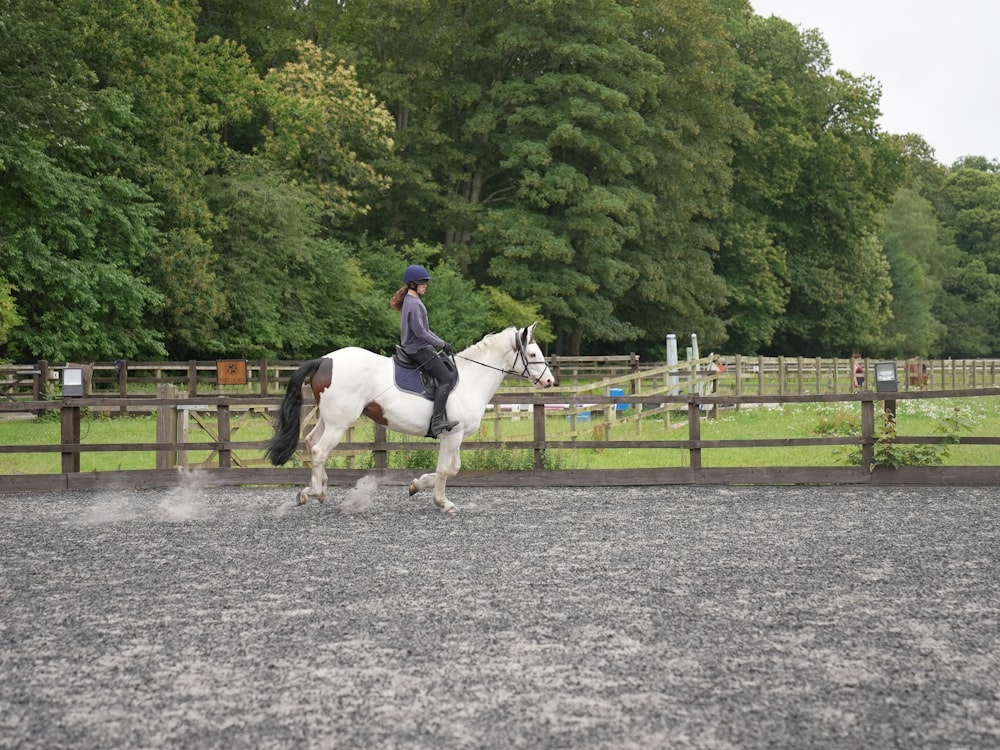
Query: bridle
521, 357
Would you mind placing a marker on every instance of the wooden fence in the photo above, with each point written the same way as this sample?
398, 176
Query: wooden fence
739, 375
168, 444
802, 375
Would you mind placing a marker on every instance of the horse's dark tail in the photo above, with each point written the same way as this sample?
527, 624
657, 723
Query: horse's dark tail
287, 425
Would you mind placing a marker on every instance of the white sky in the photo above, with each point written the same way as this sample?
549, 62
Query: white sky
938, 62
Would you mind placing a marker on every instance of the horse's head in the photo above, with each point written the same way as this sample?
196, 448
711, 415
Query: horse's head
529, 360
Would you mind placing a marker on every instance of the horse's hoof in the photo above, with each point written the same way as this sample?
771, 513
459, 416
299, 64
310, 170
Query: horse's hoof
449, 507
321, 498
413, 488
303, 499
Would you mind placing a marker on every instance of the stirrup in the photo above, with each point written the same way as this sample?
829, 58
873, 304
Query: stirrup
441, 423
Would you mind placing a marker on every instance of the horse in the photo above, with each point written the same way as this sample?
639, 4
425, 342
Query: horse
352, 381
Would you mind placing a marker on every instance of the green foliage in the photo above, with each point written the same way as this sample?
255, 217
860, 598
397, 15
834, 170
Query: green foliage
251, 179
9, 317
267, 29
327, 131
183, 94
506, 459
75, 232
290, 292
811, 181
969, 204
843, 423
918, 255
889, 454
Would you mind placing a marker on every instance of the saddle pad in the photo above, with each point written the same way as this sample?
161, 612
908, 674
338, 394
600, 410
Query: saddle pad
409, 380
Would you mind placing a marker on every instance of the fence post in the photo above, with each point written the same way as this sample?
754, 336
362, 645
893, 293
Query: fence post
69, 419
694, 432
121, 366
192, 377
381, 451
538, 414
868, 434
166, 425
225, 435
39, 382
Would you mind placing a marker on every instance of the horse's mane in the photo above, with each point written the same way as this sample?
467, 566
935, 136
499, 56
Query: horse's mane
487, 341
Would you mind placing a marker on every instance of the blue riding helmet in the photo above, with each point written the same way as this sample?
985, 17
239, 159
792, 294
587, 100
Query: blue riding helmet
416, 275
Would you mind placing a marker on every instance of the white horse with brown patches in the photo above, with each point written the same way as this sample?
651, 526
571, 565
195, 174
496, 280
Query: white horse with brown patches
352, 381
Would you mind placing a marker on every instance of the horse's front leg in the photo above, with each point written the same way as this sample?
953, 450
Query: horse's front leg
449, 463
319, 443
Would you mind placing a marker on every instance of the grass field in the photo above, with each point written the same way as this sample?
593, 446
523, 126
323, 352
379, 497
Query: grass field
979, 416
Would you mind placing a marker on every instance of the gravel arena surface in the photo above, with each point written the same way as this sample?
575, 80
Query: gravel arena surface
657, 617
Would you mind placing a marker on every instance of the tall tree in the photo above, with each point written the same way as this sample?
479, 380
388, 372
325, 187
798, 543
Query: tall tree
327, 131
767, 168
970, 208
548, 130
184, 93
291, 292
267, 29
76, 233
693, 121
844, 173
919, 255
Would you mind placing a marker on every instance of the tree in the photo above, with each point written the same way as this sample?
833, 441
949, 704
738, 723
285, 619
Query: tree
918, 255
268, 29
837, 275
693, 122
184, 94
290, 292
970, 209
537, 136
327, 131
76, 233
767, 167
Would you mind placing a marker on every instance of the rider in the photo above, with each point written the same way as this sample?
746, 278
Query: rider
417, 340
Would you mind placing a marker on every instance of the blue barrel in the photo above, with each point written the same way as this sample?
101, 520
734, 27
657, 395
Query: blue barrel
618, 392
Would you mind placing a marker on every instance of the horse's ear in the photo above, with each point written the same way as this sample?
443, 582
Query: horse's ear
528, 333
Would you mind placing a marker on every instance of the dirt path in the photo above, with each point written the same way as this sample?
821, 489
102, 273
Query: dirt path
592, 618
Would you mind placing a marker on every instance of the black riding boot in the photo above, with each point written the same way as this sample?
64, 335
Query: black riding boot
440, 422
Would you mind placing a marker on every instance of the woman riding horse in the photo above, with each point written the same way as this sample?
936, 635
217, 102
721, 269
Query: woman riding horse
420, 342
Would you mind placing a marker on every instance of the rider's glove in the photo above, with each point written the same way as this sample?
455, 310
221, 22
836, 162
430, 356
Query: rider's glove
446, 348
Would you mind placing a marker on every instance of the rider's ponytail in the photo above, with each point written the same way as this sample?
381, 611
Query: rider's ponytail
396, 303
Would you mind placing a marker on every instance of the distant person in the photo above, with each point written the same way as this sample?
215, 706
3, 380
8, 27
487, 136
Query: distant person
419, 341
858, 370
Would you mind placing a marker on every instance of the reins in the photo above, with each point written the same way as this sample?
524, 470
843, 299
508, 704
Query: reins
521, 356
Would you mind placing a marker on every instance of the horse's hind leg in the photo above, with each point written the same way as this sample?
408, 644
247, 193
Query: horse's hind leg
319, 442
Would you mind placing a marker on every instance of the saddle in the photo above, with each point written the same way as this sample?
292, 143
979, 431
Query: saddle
408, 376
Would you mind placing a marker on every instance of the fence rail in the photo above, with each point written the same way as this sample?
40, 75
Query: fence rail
738, 375
169, 444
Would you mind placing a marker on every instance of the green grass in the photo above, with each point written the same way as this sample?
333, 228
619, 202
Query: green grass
914, 418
